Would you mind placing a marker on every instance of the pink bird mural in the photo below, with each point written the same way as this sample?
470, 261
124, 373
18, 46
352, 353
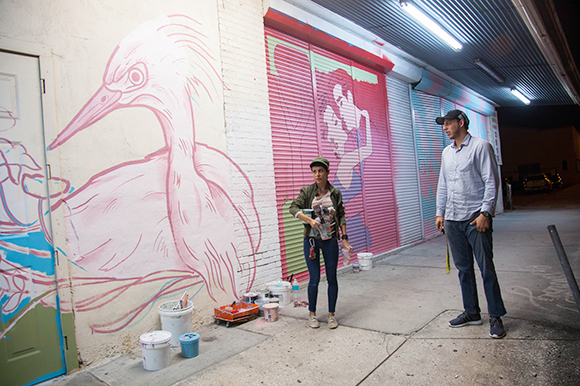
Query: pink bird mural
172, 211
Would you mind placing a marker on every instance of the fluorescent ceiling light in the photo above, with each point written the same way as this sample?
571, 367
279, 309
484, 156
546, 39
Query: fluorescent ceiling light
426, 22
520, 96
489, 70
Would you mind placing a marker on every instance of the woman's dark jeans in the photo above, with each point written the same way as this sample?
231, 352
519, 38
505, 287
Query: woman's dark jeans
465, 242
329, 249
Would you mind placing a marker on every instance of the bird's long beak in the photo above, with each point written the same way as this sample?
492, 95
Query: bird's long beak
102, 103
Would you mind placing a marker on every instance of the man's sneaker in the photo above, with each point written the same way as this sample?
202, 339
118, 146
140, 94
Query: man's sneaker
496, 329
313, 322
332, 323
465, 319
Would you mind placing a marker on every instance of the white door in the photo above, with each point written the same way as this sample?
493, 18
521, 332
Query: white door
31, 344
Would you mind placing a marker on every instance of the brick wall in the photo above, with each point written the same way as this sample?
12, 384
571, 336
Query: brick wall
247, 123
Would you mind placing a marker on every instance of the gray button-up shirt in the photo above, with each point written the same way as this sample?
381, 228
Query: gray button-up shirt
468, 180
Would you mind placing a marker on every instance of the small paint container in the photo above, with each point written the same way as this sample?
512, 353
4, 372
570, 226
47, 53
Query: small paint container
250, 297
355, 267
271, 312
189, 345
308, 212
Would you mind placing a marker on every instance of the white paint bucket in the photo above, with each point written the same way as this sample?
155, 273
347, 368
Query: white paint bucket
365, 260
280, 289
271, 312
177, 322
156, 350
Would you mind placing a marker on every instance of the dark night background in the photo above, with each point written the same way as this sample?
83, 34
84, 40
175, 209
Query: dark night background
545, 117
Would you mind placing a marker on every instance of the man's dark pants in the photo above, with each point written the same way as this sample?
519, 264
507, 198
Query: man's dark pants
465, 242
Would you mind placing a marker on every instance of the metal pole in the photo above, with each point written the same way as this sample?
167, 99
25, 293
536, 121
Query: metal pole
565, 264
509, 196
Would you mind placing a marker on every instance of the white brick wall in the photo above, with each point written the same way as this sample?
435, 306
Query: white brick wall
247, 120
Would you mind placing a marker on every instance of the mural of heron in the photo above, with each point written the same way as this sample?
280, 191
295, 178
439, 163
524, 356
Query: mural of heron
170, 217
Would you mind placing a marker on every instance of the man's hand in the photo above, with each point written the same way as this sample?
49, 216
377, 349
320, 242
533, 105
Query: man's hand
439, 223
482, 223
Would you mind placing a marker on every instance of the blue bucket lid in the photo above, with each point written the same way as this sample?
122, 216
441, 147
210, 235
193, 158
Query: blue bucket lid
190, 337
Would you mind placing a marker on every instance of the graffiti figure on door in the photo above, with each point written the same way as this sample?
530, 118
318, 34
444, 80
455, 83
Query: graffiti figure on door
342, 118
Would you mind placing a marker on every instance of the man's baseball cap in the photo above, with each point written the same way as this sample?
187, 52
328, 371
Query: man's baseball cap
453, 114
320, 161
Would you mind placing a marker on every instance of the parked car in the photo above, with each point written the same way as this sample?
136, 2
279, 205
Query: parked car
556, 181
537, 182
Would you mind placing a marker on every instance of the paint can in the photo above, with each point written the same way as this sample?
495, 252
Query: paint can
355, 267
177, 322
307, 212
271, 312
155, 349
365, 260
263, 293
250, 297
189, 345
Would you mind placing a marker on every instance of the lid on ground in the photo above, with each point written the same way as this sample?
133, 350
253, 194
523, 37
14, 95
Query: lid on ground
155, 337
189, 337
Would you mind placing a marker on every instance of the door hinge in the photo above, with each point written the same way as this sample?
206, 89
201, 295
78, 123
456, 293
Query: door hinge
48, 172
56, 257
43, 85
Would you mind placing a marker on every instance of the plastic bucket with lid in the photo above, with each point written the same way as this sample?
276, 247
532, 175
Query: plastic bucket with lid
189, 345
155, 349
365, 260
271, 312
280, 289
177, 322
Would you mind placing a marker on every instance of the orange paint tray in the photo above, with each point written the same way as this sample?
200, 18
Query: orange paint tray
239, 310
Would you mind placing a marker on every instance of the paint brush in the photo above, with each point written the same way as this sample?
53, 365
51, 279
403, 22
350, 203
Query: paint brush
177, 305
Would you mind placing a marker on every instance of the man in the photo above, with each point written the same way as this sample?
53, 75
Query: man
466, 199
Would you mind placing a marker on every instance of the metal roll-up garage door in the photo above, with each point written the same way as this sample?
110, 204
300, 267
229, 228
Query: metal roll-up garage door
293, 135
430, 142
324, 104
404, 161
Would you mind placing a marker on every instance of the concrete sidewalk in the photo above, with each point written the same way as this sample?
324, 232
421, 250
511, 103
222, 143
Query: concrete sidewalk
393, 322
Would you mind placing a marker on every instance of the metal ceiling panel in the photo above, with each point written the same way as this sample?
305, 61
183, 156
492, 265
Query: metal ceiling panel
490, 30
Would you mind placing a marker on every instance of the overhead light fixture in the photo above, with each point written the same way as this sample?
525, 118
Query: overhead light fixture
520, 96
489, 70
426, 22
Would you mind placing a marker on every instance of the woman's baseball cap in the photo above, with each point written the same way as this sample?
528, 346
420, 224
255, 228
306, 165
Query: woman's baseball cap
320, 161
453, 114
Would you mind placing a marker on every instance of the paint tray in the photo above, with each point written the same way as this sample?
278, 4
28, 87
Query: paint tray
239, 310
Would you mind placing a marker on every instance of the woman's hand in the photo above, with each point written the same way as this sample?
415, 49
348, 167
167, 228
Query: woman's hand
315, 224
346, 244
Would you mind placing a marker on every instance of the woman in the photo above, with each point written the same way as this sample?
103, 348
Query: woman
322, 197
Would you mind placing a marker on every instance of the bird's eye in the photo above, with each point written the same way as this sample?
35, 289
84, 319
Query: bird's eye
136, 77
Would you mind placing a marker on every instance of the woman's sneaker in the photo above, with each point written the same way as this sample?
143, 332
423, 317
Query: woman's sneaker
313, 321
332, 323
465, 319
496, 329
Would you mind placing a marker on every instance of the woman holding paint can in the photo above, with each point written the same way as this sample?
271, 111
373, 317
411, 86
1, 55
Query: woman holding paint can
321, 233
